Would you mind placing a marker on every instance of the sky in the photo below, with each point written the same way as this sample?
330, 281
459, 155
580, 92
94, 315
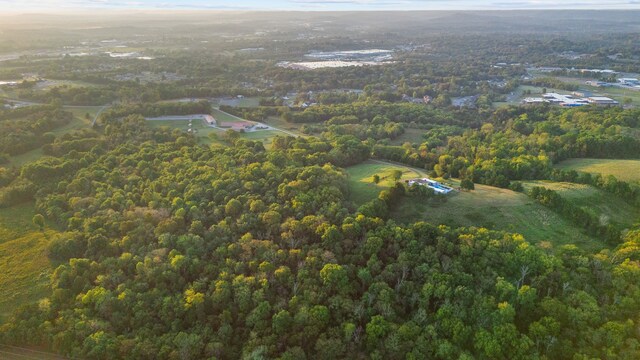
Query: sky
319, 5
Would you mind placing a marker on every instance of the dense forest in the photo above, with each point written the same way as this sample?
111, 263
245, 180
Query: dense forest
247, 252
180, 240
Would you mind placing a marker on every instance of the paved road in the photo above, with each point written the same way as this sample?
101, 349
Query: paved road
95, 118
104, 107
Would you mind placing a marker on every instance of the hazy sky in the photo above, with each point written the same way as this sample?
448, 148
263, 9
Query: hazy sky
320, 4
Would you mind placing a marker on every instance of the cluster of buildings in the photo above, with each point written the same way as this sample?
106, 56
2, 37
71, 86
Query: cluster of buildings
570, 100
437, 187
632, 82
338, 59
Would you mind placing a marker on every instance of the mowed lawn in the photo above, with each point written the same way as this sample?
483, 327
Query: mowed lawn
626, 170
223, 117
239, 102
361, 182
25, 269
609, 208
203, 130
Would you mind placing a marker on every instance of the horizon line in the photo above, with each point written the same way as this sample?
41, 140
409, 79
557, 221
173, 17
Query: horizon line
266, 10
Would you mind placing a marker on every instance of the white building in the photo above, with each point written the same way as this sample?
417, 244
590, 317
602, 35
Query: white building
432, 184
564, 100
534, 100
629, 81
602, 100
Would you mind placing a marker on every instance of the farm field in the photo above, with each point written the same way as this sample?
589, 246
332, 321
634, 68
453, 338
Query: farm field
626, 170
486, 206
24, 266
609, 208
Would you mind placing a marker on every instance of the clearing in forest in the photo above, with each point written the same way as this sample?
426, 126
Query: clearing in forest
361, 182
626, 170
486, 206
25, 269
609, 208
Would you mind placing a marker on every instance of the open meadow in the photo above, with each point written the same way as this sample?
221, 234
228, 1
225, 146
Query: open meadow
486, 206
79, 121
609, 208
361, 182
626, 170
24, 266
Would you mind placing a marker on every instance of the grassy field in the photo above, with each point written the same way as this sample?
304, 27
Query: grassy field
8, 352
361, 179
24, 266
78, 122
49, 83
15, 222
81, 111
613, 92
518, 94
621, 94
265, 136
79, 119
27, 157
202, 129
242, 102
609, 208
486, 206
280, 123
413, 136
626, 170
222, 117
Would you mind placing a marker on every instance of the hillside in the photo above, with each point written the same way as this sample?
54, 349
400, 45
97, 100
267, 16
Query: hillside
609, 208
24, 266
626, 170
